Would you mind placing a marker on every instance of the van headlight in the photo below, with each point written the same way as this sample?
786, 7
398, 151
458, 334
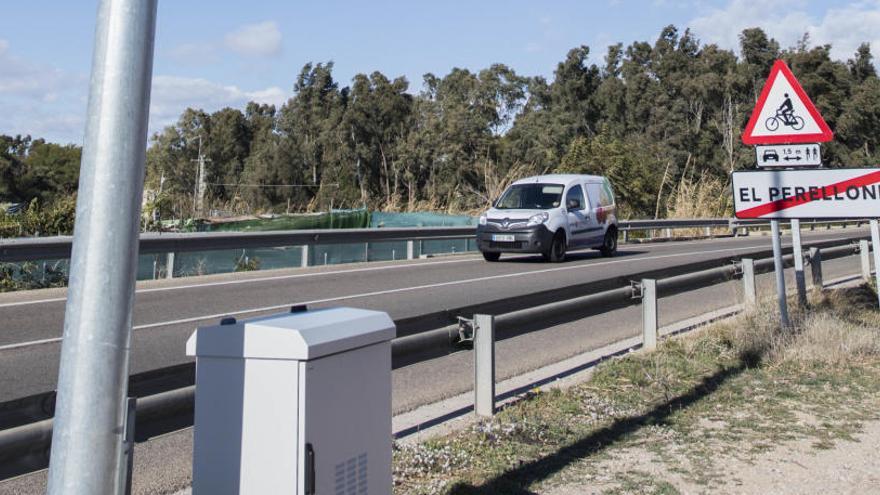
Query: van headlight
538, 218
483, 219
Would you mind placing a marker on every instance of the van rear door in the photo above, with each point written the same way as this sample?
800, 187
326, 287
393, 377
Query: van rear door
597, 235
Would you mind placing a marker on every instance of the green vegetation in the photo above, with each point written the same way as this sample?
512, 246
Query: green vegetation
38, 220
662, 119
244, 263
725, 394
30, 275
42, 175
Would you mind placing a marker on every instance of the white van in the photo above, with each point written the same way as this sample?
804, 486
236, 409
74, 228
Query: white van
550, 214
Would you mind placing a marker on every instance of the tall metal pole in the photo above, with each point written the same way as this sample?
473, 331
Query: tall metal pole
875, 245
780, 272
93, 377
798, 254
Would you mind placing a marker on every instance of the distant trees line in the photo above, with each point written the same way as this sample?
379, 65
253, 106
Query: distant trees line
663, 120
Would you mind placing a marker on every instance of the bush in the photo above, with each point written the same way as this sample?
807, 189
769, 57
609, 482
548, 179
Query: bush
56, 218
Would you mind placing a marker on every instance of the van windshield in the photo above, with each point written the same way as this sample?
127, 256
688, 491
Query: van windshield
531, 197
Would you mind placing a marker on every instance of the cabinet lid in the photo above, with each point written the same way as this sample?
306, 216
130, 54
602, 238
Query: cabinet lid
294, 336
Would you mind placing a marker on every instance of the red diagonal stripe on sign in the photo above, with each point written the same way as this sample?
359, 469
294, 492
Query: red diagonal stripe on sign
823, 192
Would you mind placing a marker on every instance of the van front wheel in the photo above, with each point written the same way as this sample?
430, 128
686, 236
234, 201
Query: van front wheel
556, 253
491, 256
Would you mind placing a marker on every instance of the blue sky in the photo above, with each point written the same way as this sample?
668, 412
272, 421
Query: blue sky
212, 54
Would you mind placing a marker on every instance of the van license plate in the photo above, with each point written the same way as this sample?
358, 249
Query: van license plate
503, 238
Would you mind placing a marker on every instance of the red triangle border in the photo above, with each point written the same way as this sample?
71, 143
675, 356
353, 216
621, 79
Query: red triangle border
826, 135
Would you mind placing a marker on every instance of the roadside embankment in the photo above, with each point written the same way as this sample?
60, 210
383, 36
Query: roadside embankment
741, 406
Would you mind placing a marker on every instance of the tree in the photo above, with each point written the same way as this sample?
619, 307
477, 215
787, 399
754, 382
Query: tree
862, 66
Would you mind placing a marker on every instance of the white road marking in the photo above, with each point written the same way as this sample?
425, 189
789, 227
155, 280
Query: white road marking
262, 279
386, 292
309, 275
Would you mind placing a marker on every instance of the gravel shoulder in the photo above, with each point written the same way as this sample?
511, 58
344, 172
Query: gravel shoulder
797, 467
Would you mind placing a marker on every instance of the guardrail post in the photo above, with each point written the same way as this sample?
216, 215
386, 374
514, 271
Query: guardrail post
816, 268
865, 255
750, 292
484, 365
649, 314
708, 231
304, 256
410, 249
169, 265
127, 454
625, 236
875, 240
798, 255
668, 232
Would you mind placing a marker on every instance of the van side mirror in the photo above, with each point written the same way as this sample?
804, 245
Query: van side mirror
573, 204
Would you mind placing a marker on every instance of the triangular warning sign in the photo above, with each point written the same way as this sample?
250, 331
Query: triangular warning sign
784, 113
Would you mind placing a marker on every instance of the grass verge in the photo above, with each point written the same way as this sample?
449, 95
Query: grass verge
732, 391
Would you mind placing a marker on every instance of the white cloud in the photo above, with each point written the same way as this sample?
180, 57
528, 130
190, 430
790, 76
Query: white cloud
39, 100
195, 53
47, 102
262, 39
844, 28
172, 95
21, 78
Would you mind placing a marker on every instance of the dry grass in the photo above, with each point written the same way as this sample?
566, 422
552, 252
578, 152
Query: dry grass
704, 197
839, 329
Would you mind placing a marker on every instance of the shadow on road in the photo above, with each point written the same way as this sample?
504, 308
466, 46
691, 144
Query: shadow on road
516, 481
571, 256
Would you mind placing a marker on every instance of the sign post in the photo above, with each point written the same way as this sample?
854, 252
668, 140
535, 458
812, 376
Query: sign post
779, 268
785, 128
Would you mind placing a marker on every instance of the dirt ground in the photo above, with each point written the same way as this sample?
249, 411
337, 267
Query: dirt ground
798, 467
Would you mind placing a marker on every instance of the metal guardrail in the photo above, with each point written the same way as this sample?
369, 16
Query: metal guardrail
59, 247
38, 248
24, 447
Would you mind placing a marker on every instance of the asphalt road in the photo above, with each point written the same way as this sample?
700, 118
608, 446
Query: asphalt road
166, 312
403, 289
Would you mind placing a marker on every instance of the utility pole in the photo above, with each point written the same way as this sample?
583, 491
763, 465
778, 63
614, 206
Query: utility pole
199, 192
156, 215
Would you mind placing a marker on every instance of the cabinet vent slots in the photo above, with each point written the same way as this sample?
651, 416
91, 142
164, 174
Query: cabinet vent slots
351, 476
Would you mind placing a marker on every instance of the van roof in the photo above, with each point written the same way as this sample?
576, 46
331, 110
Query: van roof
559, 179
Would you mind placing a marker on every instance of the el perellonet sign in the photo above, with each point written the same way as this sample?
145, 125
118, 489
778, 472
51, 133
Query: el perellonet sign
824, 193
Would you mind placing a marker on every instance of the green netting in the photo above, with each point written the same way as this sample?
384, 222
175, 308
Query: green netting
381, 219
336, 219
